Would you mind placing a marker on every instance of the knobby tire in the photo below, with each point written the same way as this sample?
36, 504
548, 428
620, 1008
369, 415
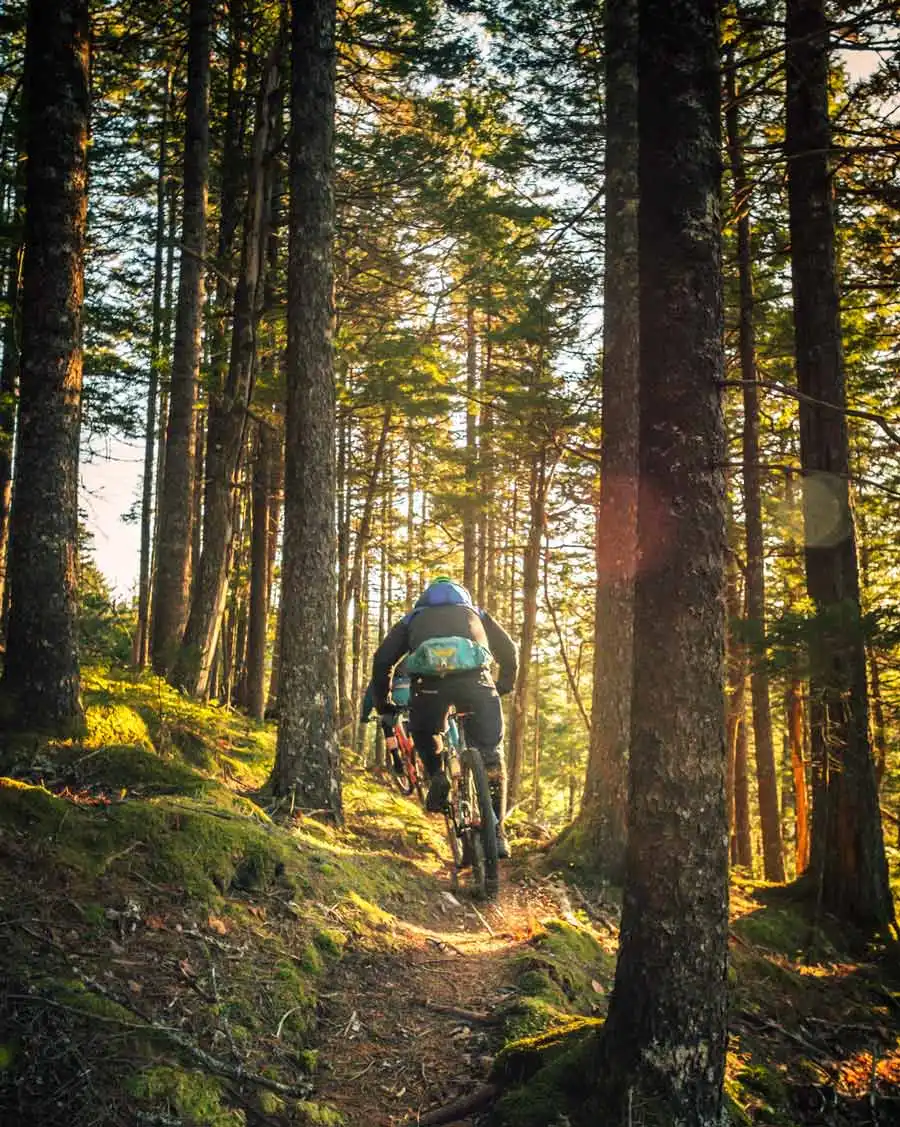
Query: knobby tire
484, 836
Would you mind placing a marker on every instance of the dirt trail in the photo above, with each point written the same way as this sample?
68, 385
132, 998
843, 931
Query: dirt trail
406, 1030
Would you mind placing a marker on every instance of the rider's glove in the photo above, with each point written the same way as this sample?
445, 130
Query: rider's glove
504, 687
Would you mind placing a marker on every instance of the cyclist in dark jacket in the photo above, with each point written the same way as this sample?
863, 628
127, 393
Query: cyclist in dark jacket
449, 645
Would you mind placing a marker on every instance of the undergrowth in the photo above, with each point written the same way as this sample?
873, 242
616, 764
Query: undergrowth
164, 941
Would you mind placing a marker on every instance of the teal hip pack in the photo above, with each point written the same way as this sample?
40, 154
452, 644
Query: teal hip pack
438, 656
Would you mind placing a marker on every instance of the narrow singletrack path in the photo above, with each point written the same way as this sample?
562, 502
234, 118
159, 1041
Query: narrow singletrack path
414, 1025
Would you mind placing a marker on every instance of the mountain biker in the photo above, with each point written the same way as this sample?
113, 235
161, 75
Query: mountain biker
449, 645
400, 696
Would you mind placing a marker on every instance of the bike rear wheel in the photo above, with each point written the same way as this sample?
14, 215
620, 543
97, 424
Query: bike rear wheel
482, 829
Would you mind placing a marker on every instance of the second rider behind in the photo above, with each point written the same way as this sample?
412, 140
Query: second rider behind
450, 645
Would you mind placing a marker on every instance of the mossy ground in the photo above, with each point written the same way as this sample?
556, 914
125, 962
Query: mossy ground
814, 1032
151, 908
161, 938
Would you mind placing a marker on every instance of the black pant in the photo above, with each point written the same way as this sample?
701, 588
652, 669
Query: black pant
472, 693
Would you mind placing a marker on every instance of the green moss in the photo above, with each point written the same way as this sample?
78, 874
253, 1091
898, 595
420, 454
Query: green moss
270, 1104
195, 1096
311, 960
330, 942
556, 975
553, 1072
123, 767
780, 929
114, 722
9, 1050
319, 1115
309, 1060
178, 843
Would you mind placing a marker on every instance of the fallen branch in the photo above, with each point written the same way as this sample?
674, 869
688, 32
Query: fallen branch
463, 1106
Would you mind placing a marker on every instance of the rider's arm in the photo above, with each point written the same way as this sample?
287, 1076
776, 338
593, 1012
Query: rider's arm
394, 645
504, 650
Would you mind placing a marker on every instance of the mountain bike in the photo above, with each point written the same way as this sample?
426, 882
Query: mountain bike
471, 824
410, 778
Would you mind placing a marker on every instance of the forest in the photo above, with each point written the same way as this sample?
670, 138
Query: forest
592, 307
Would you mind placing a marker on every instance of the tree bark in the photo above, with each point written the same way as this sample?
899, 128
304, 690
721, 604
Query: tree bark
796, 743
604, 802
848, 862
259, 572
470, 500
342, 488
354, 588
541, 475
737, 795
307, 764
142, 636
766, 773
228, 413
41, 683
173, 565
9, 383
665, 1037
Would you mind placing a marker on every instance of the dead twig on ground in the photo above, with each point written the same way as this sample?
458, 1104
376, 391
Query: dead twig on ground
456, 1109
173, 1037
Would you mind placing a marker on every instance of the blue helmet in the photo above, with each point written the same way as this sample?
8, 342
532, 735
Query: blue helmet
442, 591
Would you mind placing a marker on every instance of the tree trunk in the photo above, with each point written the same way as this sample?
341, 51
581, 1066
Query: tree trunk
354, 592
342, 488
795, 727
409, 560
742, 854
736, 793
259, 573
604, 802
488, 598
848, 862
9, 382
176, 517
142, 637
164, 383
41, 681
228, 414
766, 773
307, 764
536, 744
541, 475
665, 1036
470, 501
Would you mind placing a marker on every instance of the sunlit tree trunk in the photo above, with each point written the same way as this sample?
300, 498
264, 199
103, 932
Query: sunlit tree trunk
795, 727
542, 468
409, 560
228, 413
164, 382
488, 597
354, 592
604, 802
176, 516
470, 498
665, 1035
848, 863
737, 797
307, 764
766, 773
142, 636
41, 683
259, 572
344, 497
